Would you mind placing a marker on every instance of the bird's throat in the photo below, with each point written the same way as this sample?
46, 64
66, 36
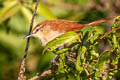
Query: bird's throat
45, 37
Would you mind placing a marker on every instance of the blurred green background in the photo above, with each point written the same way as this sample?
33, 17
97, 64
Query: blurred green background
15, 16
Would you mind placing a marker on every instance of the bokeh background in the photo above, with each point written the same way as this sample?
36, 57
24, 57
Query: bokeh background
15, 16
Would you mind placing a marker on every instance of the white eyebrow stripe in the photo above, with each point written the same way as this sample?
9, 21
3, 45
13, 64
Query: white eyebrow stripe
37, 28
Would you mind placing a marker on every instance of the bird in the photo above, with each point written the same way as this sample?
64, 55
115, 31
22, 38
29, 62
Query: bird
50, 29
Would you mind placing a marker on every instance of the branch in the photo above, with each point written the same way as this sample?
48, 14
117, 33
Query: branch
103, 73
86, 71
22, 68
109, 33
45, 73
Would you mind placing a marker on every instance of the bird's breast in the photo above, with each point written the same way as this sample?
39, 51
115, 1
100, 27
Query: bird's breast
47, 35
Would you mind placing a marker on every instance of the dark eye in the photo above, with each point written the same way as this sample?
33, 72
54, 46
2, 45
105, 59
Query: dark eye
37, 30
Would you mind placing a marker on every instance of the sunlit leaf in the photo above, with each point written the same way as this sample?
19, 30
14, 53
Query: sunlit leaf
116, 22
62, 39
87, 36
114, 41
62, 66
94, 38
101, 61
94, 53
7, 6
28, 15
80, 59
9, 10
62, 50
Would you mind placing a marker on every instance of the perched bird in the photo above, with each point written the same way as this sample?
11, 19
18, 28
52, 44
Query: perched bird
50, 29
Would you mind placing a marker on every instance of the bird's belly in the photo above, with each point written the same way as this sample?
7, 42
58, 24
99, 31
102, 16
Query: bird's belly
49, 36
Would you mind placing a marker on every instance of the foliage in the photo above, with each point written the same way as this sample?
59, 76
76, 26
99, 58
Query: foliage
77, 55
15, 16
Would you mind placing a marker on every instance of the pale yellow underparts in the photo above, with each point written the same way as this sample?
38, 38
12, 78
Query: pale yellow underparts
46, 34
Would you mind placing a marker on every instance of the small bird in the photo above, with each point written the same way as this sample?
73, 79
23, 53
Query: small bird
50, 29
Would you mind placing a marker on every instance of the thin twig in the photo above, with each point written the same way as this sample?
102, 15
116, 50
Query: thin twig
35, 77
95, 61
73, 60
22, 68
95, 69
45, 73
109, 33
30, 30
86, 71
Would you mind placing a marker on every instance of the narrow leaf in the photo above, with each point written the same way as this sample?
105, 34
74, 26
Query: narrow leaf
27, 14
9, 11
62, 39
101, 61
117, 20
80, 59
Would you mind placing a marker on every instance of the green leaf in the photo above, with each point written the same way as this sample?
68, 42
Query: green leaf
117, 20
62, 66
101, 61
94, 38
62, 50
103, 57
94, 53
9, 10
7, 7
45, 11
62, 39
114, 39
87, 36
28, 15
80, 58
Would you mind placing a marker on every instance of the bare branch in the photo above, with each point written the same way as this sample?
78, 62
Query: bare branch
22, 68
86, 71
45, 73
109, 33
95, 69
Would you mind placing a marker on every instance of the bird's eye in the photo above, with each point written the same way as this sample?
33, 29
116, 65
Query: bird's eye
37, 30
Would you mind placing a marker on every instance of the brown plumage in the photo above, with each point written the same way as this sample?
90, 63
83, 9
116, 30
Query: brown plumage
67, 25
50, 29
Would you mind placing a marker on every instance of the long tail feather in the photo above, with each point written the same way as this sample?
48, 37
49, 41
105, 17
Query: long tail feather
98, 21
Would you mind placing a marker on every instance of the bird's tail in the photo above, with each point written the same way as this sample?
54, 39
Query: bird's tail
94, 23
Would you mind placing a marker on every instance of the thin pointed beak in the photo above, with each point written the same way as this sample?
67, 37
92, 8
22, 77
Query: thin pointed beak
28, 36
